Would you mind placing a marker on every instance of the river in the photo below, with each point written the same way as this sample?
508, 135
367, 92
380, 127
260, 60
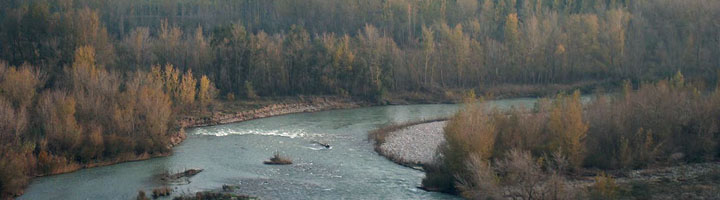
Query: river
233, 154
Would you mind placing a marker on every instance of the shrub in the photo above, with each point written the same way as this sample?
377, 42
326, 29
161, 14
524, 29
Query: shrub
469, 132
604, 187
482, 181
567, 129
13, 173
519, 170
230, 96
517, 176
250, 91
19, 84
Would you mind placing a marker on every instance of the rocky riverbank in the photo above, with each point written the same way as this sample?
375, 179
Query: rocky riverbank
301, 105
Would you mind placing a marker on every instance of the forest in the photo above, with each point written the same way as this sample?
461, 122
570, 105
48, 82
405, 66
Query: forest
85, 81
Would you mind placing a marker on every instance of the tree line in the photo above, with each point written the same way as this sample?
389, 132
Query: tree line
369, 48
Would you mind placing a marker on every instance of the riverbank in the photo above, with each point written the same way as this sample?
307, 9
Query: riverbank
238, 111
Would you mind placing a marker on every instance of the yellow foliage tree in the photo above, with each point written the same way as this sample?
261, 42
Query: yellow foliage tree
187, 90
19, 85
567, 128
57, 114
470, 132
206, 91
171, 78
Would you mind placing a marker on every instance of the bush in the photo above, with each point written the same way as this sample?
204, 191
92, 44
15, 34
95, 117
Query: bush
482, 181
604, 187
13, 173
650, 124
567, 129
518, 175
469, 132
250, 91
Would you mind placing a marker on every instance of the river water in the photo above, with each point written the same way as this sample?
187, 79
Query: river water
233, 154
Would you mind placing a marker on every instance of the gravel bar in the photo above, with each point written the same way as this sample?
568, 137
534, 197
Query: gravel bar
414, 145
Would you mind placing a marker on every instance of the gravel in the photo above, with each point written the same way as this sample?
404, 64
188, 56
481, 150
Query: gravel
415, 144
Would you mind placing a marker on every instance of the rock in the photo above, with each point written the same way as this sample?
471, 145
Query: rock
677, 156
277, 159
177, 176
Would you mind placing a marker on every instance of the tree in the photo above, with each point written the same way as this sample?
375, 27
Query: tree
206, 92
512, 40
617, 21
199, 51
57, 115
138, 43
13, 122
428, 45
187, 89
171, 81
461, 50
86, 29
169, 46
567, 128
154, 107
19, 85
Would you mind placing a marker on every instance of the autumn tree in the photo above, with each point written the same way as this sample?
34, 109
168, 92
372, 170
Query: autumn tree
428, 45
56, 111
138, 44
19, 84
187, 89
567, 128
206, 91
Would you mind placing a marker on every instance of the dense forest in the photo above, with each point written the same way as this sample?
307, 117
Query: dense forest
84, 81
367, 48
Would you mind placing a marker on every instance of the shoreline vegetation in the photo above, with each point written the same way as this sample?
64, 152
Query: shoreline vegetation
641, 143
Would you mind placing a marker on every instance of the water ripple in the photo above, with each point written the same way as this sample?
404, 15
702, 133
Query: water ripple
281, 133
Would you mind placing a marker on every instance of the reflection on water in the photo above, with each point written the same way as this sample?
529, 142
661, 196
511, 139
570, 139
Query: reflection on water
233, 154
